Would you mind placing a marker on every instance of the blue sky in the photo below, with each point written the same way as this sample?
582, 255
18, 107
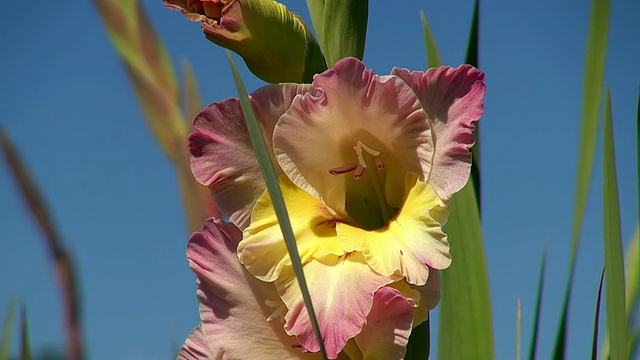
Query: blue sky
71, 111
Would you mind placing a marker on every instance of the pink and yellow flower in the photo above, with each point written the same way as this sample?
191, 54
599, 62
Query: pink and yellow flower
240, 315
367, 167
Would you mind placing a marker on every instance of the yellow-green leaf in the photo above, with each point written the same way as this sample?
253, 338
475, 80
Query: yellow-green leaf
613, 258
466, 330
344, 29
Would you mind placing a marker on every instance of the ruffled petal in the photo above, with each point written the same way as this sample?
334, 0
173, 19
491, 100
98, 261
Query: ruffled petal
388, 326
453, 98
263, 250
222, 154
350, 105
236, 320
411, 243
195, 347
342, 289
424, 298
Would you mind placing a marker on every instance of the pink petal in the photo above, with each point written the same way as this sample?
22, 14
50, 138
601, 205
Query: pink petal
342, 290
352, 104
233, 305
195, 347
222, 154
453, 100
388, 326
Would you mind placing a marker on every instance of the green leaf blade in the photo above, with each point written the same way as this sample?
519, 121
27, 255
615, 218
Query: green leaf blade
591, 93
344, 29
6, 331
25, 348
536, 315
431, 49
271, 181
614, 263
596, 322
466, 330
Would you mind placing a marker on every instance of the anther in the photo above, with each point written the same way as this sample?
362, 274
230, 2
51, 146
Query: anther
379, 164
359, 171
343, 169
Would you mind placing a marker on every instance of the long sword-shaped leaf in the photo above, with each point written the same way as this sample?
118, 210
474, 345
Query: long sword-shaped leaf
271, 180
62, 260
472, 59
344, 29
536, 315
6, 331
152, 75
466, 330
430, 47
596, 322
25, 348
632, 287
613, 257
591, 94
316, 11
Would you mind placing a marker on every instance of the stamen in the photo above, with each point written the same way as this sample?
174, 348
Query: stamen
368, 149
359, 171
361, 146
379, 164
343, 169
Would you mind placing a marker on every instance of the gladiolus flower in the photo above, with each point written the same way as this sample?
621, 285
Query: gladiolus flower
367, 166
276, 44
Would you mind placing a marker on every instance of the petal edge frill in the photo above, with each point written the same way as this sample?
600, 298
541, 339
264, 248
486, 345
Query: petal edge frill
453, 99
222, 155
195, 347
351, 104
386, 334
263, 250
233, 305
342, 290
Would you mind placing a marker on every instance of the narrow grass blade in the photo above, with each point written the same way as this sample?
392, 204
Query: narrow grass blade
466, 330
271, 180
431, 49
632, 287
419, 345
518, 330
472, 59
596, 322
344, 29
591, 95
60, 257
6, 331
536, 315
149, 68
613, 257
25, 348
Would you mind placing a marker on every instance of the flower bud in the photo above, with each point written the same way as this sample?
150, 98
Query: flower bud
276, 44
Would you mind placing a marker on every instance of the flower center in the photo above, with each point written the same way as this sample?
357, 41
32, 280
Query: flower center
366, 202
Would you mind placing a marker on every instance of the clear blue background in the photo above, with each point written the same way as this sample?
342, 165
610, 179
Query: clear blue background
70, 109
